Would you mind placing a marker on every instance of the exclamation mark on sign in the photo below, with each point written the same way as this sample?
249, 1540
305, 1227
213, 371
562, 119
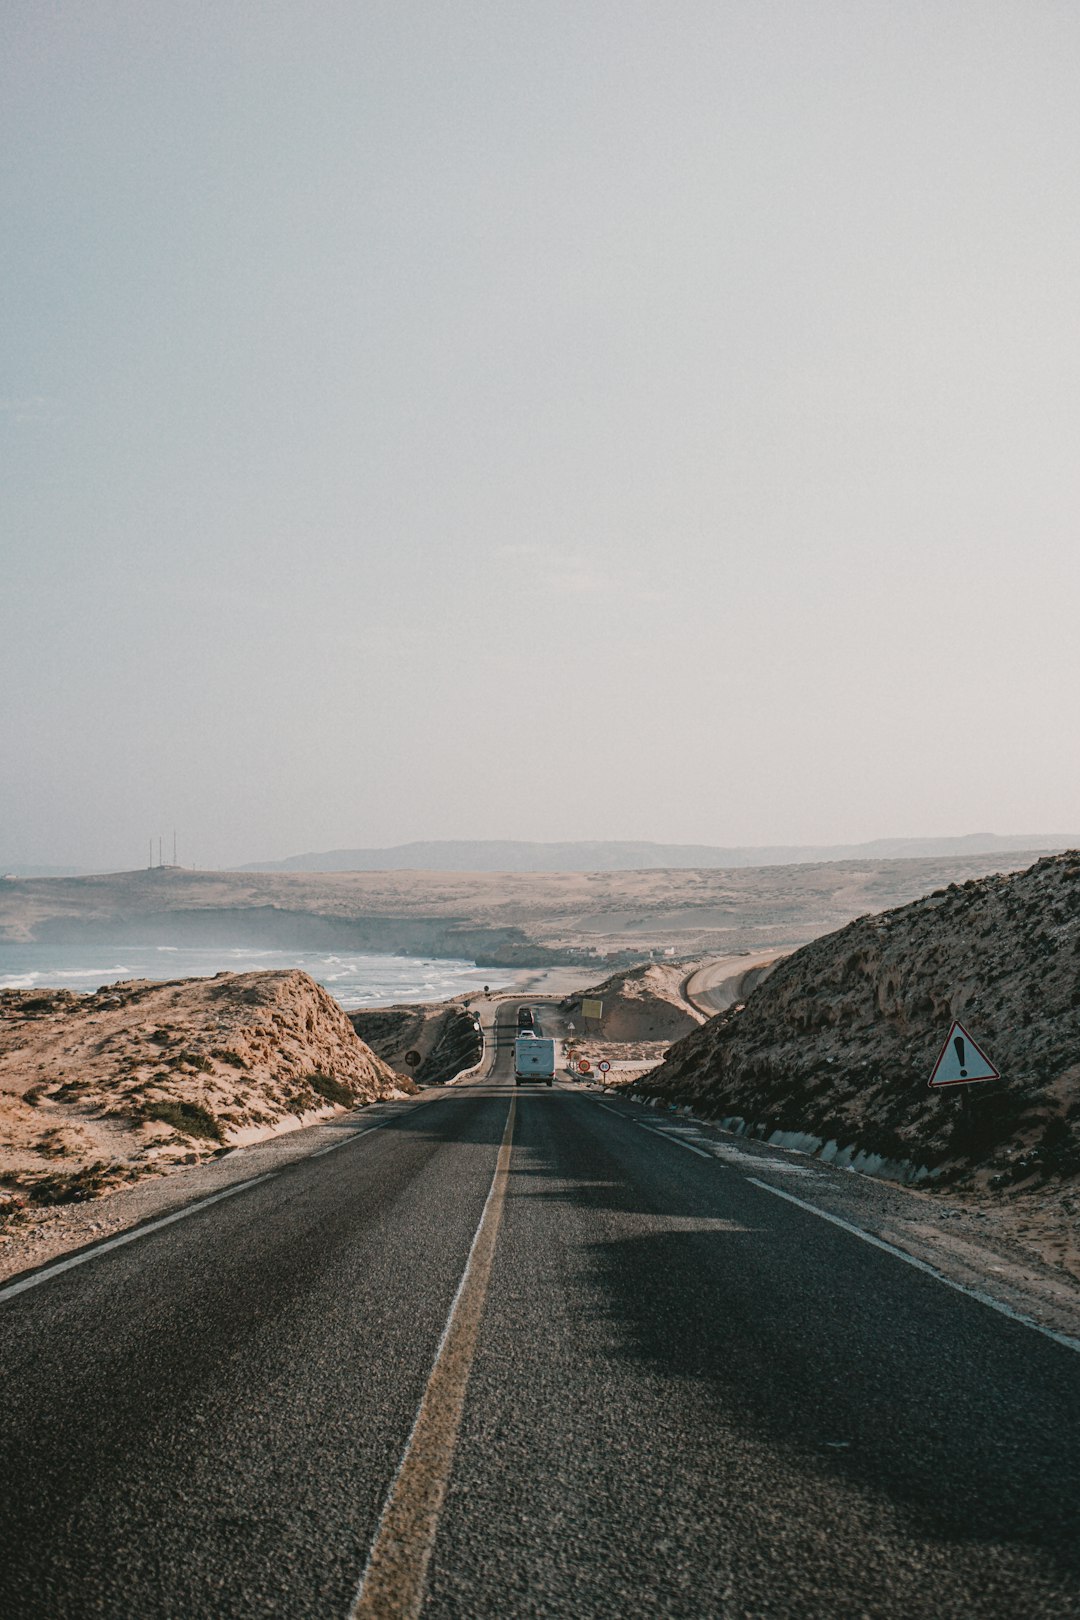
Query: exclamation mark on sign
958, 1042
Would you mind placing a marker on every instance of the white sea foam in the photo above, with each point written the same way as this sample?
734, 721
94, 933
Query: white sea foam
355, 980
97, 975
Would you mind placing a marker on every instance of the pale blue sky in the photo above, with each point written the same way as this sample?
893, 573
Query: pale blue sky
536, 420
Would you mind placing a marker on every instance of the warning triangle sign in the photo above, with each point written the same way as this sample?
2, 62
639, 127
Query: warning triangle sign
961, 1060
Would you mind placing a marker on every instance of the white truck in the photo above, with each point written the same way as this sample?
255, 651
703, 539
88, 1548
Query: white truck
534, 1059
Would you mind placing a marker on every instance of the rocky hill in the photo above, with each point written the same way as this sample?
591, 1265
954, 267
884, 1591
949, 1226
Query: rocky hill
840, 1041
98, 1090
445, 1035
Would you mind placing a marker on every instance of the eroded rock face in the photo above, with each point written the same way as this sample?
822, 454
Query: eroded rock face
446, 1036
99, 1089
840, 1041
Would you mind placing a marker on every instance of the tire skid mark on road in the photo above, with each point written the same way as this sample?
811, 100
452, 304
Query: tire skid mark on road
395, 1578
129, 1237
920, 1265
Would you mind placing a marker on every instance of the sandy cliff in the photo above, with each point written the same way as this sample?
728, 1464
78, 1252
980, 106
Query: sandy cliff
99, 1090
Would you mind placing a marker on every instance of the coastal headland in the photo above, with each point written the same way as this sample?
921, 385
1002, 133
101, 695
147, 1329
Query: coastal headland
515, 919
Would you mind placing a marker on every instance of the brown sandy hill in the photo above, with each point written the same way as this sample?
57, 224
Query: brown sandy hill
643, 1003
840, 1040
97, 1090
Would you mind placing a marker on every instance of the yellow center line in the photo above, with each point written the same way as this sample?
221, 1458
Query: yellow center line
392, 1586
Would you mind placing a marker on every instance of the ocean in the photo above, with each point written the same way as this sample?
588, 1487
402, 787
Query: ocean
352, 979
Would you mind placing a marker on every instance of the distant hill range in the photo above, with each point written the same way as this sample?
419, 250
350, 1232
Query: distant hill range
505, 918
491, 855
22, 870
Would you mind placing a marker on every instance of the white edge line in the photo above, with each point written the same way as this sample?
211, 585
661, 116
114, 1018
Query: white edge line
353, 1136
668, 1136
616, 1111
445, 1334
128, 1237
920, 1265
177, 1215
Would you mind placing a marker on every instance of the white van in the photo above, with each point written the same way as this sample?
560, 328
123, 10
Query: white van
534, 1059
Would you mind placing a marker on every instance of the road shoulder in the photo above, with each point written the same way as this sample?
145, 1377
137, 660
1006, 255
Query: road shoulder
39, 1236
981, 1249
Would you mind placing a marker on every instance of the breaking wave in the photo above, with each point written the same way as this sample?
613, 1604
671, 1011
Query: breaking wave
354, 980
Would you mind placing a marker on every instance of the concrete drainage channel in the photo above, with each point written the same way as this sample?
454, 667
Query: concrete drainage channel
905, 1171
1015, 1297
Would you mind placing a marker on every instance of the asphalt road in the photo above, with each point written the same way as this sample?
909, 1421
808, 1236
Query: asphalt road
686, 1395
727, 979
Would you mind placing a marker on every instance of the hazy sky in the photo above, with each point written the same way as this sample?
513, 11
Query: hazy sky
545, 420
